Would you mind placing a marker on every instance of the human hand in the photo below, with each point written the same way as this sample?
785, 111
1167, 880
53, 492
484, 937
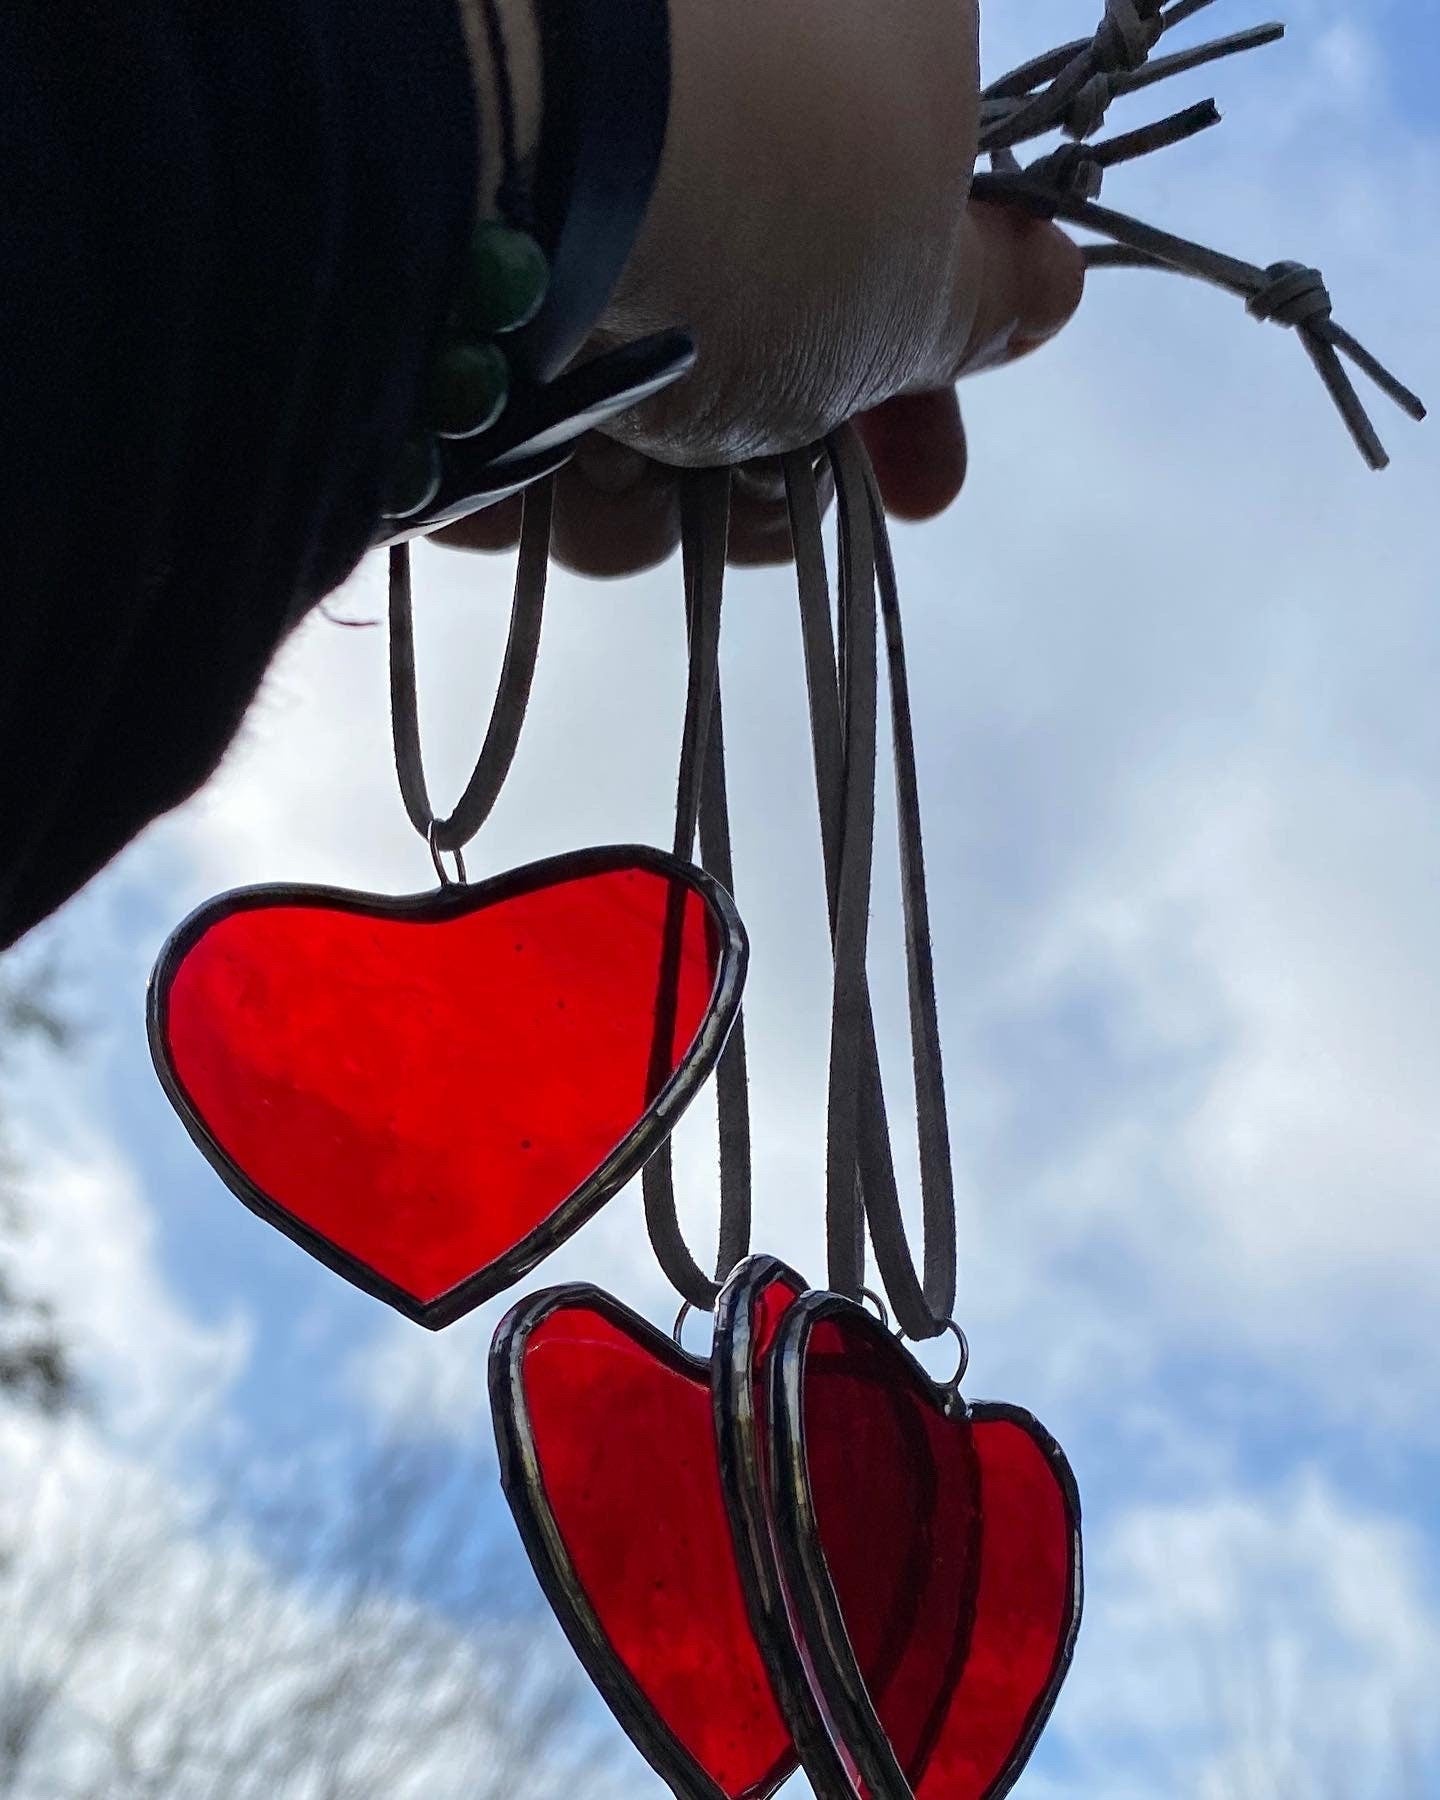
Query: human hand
811, 226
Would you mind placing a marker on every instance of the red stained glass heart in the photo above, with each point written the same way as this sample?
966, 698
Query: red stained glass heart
942, 1698
608, 1459
891, 1566
431, 1093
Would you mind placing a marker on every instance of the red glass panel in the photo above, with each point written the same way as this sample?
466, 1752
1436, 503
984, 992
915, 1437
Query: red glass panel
896, 1492
949, 1548
622, 1429
1023, 1614
765, 1293
425, 1088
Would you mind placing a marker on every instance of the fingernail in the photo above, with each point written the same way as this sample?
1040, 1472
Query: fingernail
763, 478
1023, 342
612, 468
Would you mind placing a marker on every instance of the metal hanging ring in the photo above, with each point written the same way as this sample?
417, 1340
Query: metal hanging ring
677, 1330
882, 1311
952, 1386
459, 878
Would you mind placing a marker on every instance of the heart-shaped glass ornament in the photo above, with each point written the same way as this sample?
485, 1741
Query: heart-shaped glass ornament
897, 1629
608, 1458
889, 1566
926, 1560
905, 1620
431, 1093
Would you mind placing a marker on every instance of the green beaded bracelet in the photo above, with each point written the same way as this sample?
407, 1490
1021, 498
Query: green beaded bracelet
502, 288
505, 281
466, 390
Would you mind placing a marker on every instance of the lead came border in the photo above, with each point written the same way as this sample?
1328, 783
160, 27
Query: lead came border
523, 1484
450, 902
843, 1692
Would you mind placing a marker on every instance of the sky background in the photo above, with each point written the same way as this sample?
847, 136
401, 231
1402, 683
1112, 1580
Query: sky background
1174, 659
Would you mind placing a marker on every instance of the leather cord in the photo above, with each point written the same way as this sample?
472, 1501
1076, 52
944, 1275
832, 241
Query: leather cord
842, 740
937, 1186
512, 695
1070, 89
876, 1160
732, 1083
702, 803
850, 1006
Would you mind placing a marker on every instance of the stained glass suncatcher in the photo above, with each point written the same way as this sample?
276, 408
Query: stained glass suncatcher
430, 1093
608, 1458
969, 1512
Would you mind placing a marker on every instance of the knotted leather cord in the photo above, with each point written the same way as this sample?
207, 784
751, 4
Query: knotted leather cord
922, 1309
1071, 89
701, 799
512, 694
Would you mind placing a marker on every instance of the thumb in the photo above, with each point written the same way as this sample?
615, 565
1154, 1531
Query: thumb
1026, 278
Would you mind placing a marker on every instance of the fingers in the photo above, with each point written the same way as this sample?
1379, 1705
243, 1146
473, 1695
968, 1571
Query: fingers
917, 444
618, 513
760, 516
494, 528
1031, 279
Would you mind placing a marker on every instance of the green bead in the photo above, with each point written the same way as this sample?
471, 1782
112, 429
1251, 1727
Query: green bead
415, 479
505, 280
467, 389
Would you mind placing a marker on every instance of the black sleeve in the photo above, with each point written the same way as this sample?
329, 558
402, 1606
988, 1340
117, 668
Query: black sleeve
228, 240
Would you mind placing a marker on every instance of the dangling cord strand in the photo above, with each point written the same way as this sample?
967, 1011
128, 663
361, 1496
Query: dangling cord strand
854, 815
845, 1223
701, 799
930, 1302
922, 1309
732, 1083
512, 697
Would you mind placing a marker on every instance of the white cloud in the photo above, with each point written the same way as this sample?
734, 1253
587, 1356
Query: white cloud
1179, 775
90, 1247
1268, 939
1173, 665
1255, 1645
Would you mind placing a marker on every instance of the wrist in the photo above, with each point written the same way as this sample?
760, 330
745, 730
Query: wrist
572, 101
515, 24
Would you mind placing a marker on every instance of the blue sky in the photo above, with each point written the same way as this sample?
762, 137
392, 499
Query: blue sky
1175, 656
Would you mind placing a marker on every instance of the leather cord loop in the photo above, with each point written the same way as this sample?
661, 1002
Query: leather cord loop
937, 1182
701, 802
512, 696
850, 996
877, 1166
922, 1308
